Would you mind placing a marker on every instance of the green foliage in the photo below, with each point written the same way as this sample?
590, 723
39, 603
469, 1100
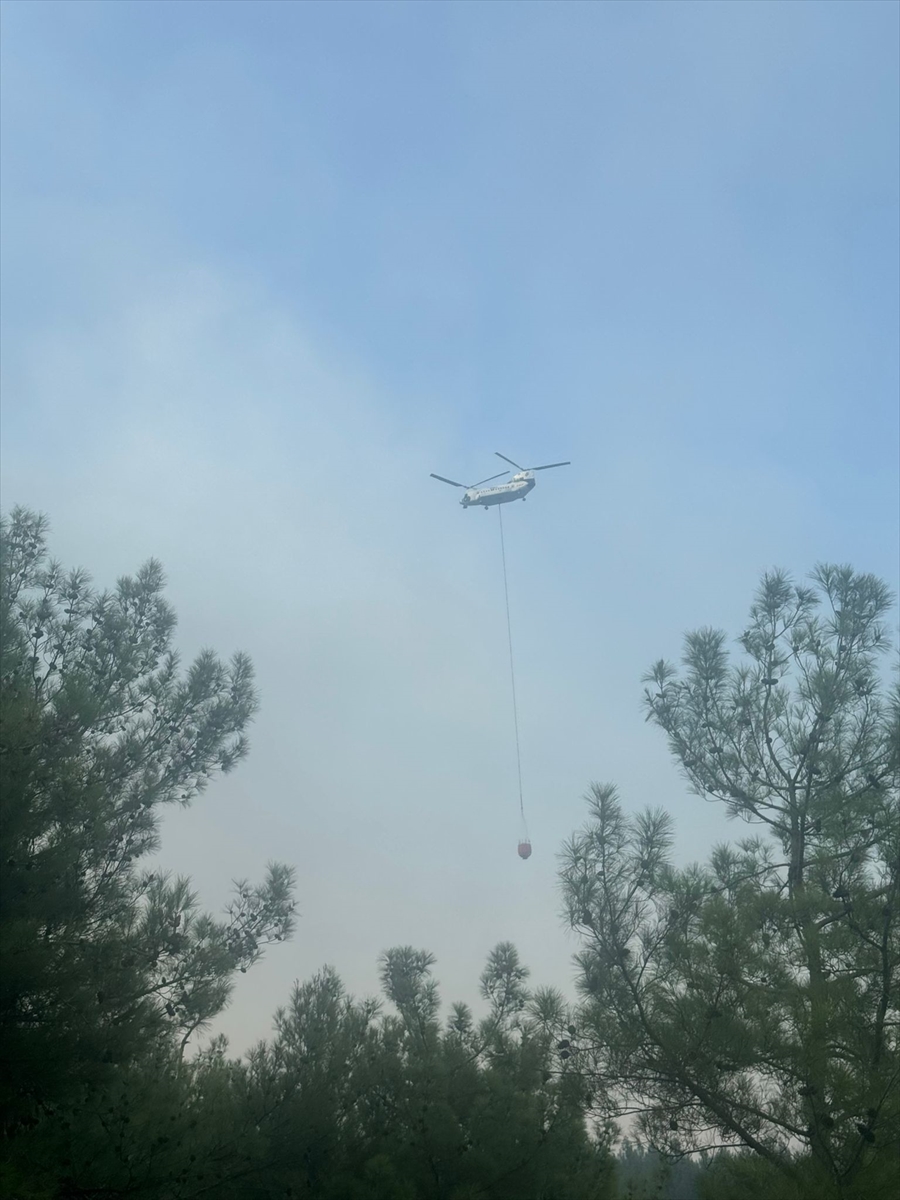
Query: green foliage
644, 1174
746, 1176
110, 967
742, 1176
753, 1001
377, 1104
103, 962
346, 1100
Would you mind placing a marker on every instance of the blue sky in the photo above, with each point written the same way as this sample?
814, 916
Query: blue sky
266, 266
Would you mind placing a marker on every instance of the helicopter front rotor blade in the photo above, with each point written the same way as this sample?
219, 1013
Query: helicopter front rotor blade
488, 480
452, 482
509, 460
547, 466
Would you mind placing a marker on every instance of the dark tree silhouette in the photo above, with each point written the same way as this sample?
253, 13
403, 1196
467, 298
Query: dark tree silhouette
753, 1001
100, 730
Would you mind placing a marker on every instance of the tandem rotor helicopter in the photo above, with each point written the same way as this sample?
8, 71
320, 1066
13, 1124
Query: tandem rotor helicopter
517, 488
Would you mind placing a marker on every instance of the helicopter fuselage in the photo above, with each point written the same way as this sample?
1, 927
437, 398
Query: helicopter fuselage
517, 489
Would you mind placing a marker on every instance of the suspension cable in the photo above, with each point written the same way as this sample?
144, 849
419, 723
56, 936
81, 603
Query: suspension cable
512, 672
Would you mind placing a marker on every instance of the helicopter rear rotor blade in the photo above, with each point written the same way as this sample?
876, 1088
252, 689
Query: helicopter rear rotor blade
510, 461
488, 480
547, 466
452, 482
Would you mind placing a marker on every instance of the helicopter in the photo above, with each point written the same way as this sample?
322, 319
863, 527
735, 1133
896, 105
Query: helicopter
517, 488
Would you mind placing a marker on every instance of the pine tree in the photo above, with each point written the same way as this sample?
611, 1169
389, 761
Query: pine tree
752, 1002
105, 962
349, 1101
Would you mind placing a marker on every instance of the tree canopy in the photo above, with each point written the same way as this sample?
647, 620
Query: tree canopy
744, 1011
103, 958
752, 1001
110, 965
